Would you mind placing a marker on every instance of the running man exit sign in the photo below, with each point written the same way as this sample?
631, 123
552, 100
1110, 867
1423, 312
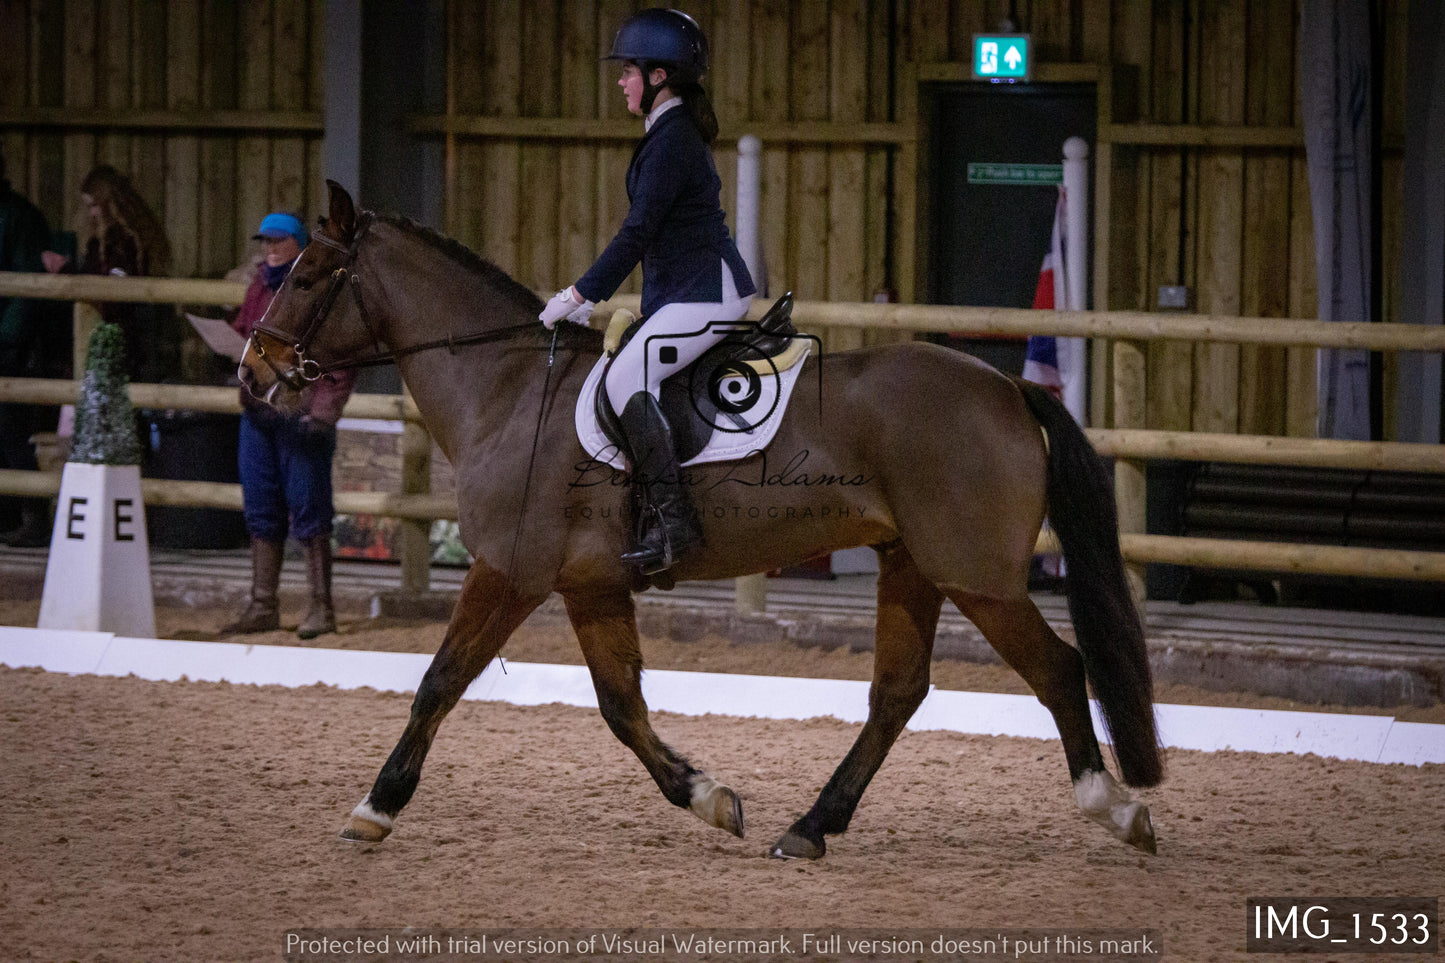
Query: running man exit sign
1002, 56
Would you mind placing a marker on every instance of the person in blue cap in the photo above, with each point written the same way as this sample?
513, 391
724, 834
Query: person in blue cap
692, 274
285, 459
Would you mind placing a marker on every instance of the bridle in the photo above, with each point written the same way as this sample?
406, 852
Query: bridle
304, 370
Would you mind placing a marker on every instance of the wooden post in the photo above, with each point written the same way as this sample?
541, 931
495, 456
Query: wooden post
1129, 476
86, 320
414, 535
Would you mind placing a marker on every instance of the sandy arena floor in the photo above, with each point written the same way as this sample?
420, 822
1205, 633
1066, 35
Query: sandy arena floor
193, 821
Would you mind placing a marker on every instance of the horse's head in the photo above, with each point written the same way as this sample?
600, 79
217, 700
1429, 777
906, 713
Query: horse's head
316, 319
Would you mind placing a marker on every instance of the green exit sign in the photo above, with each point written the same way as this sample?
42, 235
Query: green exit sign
1002, 56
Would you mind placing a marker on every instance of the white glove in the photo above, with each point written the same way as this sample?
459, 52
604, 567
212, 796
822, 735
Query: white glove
566, 304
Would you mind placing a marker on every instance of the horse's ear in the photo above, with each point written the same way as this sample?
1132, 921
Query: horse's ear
343, 213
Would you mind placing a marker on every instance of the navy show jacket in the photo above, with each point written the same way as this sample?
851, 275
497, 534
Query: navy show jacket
675, 225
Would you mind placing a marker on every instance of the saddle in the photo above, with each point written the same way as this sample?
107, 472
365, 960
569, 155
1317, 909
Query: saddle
689, 397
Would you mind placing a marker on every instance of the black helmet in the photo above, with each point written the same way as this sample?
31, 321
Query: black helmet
668, 37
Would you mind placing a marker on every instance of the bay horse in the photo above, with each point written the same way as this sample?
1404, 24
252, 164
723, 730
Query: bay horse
943, 465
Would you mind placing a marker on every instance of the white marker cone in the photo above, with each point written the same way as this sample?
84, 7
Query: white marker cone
98, 576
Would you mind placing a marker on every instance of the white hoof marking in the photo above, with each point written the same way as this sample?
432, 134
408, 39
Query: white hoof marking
1107, 803
363, 810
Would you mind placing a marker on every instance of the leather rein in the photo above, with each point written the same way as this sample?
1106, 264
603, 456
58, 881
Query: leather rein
304, 370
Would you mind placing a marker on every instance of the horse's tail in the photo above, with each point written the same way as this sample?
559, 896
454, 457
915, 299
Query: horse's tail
1106, 622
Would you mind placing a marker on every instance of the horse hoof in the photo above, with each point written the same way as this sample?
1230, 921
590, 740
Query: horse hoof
793, 845
366, 825
1140, 831
717, 805
1107, 803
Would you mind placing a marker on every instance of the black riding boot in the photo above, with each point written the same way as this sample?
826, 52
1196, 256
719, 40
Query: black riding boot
670, 525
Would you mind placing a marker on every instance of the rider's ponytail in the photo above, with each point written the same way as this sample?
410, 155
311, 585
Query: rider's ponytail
699, 108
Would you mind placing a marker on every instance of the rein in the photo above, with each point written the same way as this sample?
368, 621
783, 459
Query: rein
307, 370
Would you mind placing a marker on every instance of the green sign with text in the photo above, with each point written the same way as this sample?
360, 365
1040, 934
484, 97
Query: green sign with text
1002, 56
1026, 174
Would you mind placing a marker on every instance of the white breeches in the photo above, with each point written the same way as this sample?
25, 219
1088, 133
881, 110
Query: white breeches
675, 336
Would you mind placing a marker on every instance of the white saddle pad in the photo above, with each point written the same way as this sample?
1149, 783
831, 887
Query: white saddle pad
750, 415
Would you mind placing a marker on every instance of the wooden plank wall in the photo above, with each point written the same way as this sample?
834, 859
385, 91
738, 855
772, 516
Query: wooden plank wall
1232, 223
1247, 241
210, 187
543, 209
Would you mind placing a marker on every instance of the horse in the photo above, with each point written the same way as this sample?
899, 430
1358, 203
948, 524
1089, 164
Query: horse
943, 465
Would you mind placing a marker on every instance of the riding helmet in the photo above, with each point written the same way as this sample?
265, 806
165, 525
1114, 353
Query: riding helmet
662, 36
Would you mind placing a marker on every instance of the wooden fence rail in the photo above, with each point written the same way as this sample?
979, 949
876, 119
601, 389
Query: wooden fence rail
1127, 441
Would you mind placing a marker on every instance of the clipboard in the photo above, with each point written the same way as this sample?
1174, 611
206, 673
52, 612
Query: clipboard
219, 336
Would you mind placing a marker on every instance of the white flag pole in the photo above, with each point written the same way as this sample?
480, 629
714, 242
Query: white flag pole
1073, 354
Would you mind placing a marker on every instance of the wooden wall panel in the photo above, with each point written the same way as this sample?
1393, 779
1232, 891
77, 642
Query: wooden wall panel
1302, 401
728, 86
1167, 257
1221, 212
847, 205
808, 175
1265, 244
771, 45
112, 78
219, 250
183, 153
501, 97
149, 54
290, 77
253, 153
80, 68
46, 167
542, 192
153, 57
543, 208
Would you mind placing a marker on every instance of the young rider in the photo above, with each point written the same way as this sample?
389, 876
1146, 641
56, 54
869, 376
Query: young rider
692, 274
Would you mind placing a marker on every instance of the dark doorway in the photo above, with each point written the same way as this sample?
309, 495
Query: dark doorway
988, 240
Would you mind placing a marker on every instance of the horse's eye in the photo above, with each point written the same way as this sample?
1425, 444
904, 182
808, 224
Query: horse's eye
302, 284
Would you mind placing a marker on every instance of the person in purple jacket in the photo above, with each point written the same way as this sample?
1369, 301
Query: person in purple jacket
692, 274
285, 459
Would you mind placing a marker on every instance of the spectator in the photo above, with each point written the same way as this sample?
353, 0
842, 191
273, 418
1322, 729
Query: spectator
24, 237
285, 459
125, 238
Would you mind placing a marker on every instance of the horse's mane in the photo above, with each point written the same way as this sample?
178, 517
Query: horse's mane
506, 286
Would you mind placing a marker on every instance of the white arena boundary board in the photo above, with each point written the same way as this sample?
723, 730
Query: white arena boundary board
1368, 738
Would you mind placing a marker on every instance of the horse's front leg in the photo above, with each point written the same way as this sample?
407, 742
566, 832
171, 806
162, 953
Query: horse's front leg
908, 608
606, 628
486, 615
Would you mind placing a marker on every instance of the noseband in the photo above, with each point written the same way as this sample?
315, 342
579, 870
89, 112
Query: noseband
304, 370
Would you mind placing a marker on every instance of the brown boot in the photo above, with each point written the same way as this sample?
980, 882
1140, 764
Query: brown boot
263, 611
320, 617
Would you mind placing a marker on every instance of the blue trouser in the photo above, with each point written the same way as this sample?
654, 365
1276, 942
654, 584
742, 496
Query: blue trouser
285, 475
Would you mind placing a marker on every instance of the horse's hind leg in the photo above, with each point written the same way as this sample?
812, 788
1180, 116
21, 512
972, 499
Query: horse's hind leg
606, 627
908, 607
1055, 671
486, 614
